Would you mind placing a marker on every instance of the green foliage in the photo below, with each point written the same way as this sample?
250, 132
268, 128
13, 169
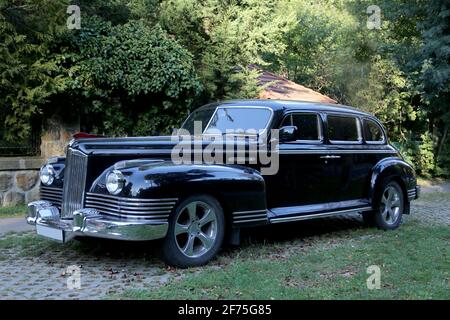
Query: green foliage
223, 35
399, 72
318, 45
27, 78
126, 72
420, 153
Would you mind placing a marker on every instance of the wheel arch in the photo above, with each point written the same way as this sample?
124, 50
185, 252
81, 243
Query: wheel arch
391, 169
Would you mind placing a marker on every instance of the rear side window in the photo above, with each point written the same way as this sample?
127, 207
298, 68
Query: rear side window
308, 126
372, 131
343, 129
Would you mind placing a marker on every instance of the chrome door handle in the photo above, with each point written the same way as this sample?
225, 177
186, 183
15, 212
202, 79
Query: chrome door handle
330, 157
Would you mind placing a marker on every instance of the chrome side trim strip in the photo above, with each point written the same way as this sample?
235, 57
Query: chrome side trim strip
251, 220
250, 216
129, 199
264, 215
248, 212
136, 205
121, 210
412, 194
161, 218
122, 205
131, 207
318, 215
336, 151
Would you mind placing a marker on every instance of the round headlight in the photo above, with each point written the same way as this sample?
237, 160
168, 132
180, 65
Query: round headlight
115, 182
47, 174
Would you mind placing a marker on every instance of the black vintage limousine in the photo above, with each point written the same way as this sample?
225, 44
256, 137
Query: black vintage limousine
330, 160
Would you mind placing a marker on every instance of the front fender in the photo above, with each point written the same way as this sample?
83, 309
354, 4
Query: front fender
237, 188
392, 167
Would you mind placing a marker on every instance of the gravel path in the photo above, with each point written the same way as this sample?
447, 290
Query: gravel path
444, 187
13, 225
32, 268
432, 207
40, 271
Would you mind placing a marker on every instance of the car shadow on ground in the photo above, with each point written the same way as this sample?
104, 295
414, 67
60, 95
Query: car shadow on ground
288, 232
262, 235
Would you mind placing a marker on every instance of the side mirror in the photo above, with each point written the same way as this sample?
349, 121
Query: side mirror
288, 133
174, 131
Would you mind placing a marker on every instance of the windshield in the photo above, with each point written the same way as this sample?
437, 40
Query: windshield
236, 119
202, 115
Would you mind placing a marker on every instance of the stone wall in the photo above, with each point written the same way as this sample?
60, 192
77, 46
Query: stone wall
56, 136
19, 180
19, 176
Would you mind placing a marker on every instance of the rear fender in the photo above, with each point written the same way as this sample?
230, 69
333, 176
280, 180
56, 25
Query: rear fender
392, 168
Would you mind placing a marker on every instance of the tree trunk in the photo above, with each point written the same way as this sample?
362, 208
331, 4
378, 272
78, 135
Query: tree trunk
442, 142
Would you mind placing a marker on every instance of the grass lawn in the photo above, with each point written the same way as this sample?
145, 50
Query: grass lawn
414, 262
14, 211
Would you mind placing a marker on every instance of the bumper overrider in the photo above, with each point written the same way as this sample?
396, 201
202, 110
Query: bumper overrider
90, 222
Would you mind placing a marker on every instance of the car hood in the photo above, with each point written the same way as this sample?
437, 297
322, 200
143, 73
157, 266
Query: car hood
141, 146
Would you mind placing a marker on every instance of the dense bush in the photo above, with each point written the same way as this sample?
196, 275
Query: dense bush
127, 74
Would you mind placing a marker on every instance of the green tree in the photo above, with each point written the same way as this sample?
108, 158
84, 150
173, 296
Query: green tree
126, 74
28, 79
225, 37
434, 76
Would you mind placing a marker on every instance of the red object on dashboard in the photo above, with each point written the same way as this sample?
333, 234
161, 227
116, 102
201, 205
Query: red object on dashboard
79, 135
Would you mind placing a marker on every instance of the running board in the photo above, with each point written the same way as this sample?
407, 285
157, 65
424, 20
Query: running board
318, 215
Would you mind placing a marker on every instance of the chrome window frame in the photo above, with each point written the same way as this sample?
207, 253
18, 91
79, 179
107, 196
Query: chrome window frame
319, 126
358, 128
382, 142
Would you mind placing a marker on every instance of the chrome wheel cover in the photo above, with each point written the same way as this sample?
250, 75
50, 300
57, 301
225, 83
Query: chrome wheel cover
391, 205
196, 229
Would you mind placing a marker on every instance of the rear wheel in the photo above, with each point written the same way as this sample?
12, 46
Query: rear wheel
391, 207
196, 232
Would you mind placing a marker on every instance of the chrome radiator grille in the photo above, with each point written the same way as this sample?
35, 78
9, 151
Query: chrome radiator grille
153, 209
53, 195
74, 182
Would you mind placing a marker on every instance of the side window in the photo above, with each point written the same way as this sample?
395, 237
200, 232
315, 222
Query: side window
343, 129
372, 131
308, 126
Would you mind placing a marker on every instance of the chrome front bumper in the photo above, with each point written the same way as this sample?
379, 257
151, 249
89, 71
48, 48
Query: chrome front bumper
89, 222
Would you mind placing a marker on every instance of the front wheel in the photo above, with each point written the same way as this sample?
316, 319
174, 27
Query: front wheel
196, 231
391, 206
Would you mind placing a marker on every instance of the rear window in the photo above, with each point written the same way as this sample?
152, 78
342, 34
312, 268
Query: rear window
372, 131
307, 126
343, 129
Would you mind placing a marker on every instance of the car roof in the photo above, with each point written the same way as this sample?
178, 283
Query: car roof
289, 105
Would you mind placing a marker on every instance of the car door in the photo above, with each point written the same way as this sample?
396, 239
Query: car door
348, 168
368, 156
302, 176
